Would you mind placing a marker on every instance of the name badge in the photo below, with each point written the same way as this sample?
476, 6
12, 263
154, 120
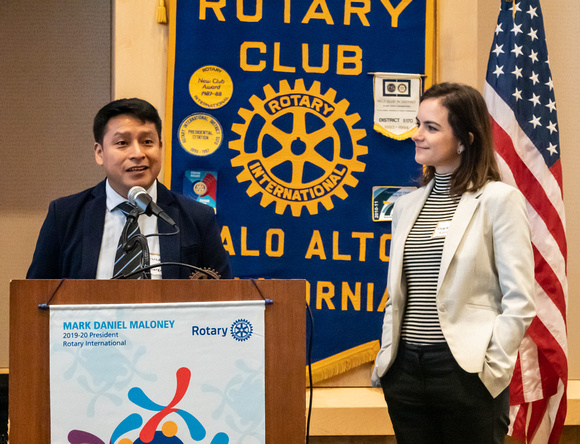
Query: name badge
441, 229
155, 259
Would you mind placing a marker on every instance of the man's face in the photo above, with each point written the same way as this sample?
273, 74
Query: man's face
130, 153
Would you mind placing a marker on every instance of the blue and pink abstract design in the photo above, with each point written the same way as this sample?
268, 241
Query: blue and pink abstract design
149, 433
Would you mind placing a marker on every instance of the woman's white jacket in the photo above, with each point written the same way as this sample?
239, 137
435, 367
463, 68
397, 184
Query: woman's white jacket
485, 289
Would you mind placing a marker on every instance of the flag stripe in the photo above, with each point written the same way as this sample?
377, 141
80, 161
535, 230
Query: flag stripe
550, 284
518, 424
532, 388
542, 238
506, 119
560, 417
555, 355
556, 170
529, 186
536, 416
546, 245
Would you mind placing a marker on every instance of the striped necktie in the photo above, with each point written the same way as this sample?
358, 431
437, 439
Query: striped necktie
128, 261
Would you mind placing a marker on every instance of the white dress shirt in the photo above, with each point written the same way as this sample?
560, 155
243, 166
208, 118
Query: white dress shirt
114, 223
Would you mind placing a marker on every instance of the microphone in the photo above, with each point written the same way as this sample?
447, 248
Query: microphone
141, 199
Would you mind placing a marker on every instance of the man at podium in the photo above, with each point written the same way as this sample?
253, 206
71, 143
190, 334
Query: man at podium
84, 236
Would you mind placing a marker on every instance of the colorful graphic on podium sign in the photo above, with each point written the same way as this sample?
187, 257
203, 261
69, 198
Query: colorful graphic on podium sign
299, 155
157, 373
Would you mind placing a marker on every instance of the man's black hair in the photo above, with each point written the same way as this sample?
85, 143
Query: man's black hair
137, 108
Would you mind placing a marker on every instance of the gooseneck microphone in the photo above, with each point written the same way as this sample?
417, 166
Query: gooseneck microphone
139, 197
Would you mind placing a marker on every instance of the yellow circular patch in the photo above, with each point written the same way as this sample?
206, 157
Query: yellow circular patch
200, 188
200, 134
169, 429
211, 87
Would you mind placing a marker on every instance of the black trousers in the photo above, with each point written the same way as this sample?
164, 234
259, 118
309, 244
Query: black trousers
432, 400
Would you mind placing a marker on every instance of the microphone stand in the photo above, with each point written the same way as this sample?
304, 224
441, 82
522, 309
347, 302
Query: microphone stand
130, 243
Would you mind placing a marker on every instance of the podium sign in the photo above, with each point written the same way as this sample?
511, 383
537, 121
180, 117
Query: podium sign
157, 371
284, 357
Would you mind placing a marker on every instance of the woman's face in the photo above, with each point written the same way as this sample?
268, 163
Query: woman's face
435, 142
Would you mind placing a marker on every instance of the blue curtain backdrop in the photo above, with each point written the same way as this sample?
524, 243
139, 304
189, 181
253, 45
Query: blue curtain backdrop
294, 151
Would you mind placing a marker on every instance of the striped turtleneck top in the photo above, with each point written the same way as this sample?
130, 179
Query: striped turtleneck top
422, 261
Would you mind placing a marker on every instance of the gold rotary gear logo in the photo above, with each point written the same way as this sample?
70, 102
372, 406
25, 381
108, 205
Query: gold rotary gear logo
298, 147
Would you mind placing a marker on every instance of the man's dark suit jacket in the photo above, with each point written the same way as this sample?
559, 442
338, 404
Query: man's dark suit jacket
69, 242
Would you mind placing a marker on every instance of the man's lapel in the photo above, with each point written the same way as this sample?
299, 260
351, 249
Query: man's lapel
169, 245
93, 223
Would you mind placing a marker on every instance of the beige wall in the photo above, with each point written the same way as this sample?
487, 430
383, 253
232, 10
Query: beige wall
55, 71
139, 53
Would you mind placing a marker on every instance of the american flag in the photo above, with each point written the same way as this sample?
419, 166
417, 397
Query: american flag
520, 97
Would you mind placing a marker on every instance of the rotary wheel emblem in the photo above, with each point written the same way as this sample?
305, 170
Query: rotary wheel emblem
241, 330
205, 273
298, 147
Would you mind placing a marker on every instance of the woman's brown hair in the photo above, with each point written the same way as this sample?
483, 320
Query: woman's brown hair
471, 124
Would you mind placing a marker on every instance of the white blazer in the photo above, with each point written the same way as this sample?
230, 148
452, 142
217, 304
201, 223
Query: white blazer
485, 289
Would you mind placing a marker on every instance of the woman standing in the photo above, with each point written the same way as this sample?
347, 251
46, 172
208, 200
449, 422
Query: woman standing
460, 284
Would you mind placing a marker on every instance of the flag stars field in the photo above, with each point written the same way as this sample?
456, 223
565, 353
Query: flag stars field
528, 78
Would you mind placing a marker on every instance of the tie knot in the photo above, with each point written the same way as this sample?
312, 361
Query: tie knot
126, 207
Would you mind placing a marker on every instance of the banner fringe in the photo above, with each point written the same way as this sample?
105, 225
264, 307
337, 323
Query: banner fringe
379, 129
161, 12
344, 361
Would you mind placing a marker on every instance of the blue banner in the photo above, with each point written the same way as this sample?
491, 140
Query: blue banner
270, 120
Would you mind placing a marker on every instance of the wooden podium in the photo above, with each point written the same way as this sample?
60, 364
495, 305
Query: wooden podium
285, 342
